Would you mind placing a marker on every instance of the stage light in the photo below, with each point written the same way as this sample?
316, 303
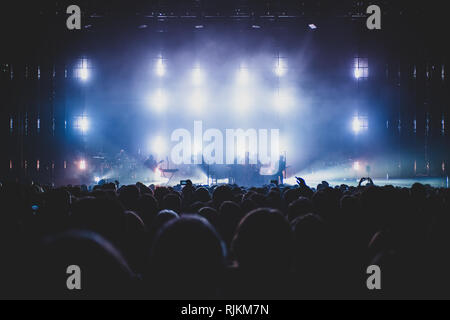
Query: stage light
82, 124
356, 125
312, 26
242, 100
198, 100
160, 67
158, 146
83, 70
197, 76
159, 100
356, 166
359, 124
243, 76
361, 68
159, 177
84, 74
283, 100
82, 165
97, 180
280, 68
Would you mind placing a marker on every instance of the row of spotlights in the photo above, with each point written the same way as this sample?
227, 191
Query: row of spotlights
282, 100
243, 75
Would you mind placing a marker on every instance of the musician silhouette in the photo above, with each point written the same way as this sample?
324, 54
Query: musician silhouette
151, 163
281, 169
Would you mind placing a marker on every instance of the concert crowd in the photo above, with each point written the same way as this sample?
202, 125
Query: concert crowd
224, 241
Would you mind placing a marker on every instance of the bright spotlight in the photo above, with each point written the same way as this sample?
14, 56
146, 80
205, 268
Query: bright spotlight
280, 68
82, 124
356, 166
82, 165
159, 100
359, 124
243, 101
243, 77
356, 125
361, 68
160, 67
158, 146
83, 70
198, 100
283, 100
84, 74
312, 26
97, 179
197, 76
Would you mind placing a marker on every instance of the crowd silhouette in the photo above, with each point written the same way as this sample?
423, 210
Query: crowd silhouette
224, 242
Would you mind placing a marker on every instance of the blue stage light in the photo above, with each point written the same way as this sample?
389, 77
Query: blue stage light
82, 124
159, 100
198, 76
359, 124
82, 72
198, 100
243, 76
158, 146
82, 165
160, 68
280, 67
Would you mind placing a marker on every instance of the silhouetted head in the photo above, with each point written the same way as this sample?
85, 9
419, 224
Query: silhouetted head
273, 200
248, 205
326, 203
143, 189
210, 214
202, 195
195, 207
230, 214
187, 259
163, 217
160, 193
147, 209
101, 215
104, 273
222, 194
299, 207
134, 244
263, 241
129, 196
290, 195
311, 237
350, 208
171, 202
